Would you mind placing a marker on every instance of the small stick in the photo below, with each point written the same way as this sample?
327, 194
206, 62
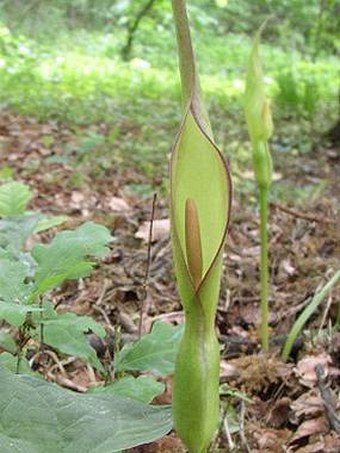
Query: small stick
326, 396
41, 346
231, 444
105, 316
148, 264
242, 433
214, 445
301, 215
325, 313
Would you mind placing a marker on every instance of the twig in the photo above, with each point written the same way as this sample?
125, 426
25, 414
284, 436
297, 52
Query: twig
326, 396
325, 313
57, 362
214, 445
301, 215
147, 269
132, 27
127, 323
242, 432
231, 444
102, 294
67, 383
105, 316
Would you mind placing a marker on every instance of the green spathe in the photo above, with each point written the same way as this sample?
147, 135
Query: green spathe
257, 107
258, 117
200, 205
198, 174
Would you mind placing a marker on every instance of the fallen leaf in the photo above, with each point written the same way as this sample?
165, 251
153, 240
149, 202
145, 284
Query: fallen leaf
286, 267
228, 371
308, 404
77, 199
279, 413
118, 204
309, 428
160, 230
268, 439
305, 369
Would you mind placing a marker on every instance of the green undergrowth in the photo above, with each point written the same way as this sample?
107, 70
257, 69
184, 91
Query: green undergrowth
83, 78
83, 81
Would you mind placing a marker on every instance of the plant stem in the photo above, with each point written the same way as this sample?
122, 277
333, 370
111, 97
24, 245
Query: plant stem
191, 89
187, 64
264, 273
306, 314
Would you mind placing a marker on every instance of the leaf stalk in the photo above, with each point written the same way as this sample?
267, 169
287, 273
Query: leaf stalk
264, 273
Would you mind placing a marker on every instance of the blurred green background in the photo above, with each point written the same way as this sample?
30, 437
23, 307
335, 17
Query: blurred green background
85, 62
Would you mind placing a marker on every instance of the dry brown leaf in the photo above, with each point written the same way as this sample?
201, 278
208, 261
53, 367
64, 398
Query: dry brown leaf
305, 368
228, 371
308, 404
118, 204
279, 413
77, 198
310, 427
286, 267
268, 439
160, 230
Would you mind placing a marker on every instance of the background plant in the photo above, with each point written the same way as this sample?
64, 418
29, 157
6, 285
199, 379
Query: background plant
260, 128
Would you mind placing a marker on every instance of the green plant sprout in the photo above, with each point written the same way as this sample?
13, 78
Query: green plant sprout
260, 128
200, 199
307, 313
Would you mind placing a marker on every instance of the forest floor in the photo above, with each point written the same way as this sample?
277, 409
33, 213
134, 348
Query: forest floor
285, 405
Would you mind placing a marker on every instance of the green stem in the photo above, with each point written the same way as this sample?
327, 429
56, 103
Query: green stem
191, 90
307, 313
187, 66
264, 273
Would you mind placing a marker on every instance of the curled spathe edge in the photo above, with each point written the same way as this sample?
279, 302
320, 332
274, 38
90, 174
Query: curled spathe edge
193, 107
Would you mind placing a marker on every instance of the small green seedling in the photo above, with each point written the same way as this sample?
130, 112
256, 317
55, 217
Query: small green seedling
260, 128
307, 313
200, 198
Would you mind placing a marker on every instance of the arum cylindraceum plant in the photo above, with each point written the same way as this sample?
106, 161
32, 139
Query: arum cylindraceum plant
260, 128
200, 198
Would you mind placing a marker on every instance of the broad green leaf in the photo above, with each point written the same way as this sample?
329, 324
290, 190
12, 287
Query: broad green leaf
10, 362
12, 285
49, 222
15, 230
15, 314
39, 417
142, 388
66, 332
7, 342
67, 256
155, 351
14, 197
